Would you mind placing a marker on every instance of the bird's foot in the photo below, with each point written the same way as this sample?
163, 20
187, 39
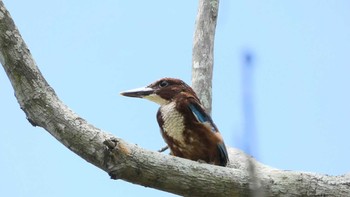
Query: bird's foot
163, 149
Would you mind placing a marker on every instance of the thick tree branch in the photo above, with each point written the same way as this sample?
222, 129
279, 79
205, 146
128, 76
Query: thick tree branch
131, 163
203, 51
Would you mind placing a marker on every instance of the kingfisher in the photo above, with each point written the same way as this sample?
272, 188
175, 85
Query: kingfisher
186, 127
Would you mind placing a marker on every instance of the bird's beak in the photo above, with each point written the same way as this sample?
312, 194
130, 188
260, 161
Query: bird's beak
138, 92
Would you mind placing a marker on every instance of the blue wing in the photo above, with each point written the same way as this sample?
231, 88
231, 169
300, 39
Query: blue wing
200, 114
203, 117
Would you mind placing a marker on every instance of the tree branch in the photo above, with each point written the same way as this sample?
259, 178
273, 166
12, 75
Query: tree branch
203, 51
131, 163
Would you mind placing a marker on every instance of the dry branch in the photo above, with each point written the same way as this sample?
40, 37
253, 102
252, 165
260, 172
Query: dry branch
129, 162
203, 51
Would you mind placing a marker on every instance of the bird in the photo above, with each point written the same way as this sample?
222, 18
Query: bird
186, 127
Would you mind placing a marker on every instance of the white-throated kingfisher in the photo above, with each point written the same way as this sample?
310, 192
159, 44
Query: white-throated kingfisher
186, 127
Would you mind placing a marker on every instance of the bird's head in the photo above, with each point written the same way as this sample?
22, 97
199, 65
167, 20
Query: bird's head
162, 91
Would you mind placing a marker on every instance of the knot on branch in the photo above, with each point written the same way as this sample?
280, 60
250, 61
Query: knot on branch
115, 155
111, 143
214, 7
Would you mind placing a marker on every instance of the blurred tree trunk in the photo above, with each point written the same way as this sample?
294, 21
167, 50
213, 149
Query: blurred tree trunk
131, 163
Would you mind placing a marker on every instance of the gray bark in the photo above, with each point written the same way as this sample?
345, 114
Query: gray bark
203, 51
122, 160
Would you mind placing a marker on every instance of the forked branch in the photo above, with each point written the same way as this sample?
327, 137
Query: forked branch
122, 160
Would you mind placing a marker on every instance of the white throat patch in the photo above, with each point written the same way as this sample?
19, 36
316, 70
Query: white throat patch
157, 99
173, 121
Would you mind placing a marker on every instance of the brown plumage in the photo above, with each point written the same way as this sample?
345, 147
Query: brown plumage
185, 126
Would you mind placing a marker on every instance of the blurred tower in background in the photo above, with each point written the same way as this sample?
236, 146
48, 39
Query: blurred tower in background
249, 129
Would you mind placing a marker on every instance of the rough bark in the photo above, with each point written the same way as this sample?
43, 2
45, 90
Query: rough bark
203, 51
122, 160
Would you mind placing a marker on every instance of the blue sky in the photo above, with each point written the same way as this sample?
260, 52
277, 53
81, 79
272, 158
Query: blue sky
90, 51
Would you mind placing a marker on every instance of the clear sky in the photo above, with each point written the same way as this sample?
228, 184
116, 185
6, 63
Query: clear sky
90, 51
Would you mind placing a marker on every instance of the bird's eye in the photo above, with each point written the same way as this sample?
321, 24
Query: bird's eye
162, 84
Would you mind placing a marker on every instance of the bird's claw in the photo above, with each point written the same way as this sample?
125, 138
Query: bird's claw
163, 149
